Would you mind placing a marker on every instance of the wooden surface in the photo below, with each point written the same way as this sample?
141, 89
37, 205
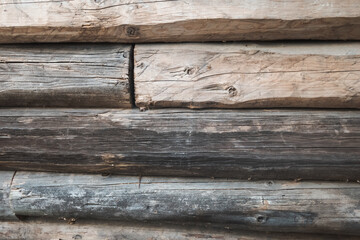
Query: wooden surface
261, 205
257, 144
46, 229
172, 21
5, 183
317, 75
64, 75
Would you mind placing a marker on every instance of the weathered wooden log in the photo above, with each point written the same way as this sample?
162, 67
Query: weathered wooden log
320, 75
64, 75
267, 205
5, 182
46, 229
172, 21
258, 144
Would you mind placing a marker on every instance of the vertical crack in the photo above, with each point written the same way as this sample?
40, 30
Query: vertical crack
131, 76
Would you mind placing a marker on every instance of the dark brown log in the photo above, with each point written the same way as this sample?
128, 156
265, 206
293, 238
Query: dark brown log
273, 144
177, 21
280, 206
73, 75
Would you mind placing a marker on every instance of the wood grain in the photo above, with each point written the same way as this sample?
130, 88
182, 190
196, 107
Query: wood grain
5, 183
64, 75
257, 144
267, 75
314, 207
180, 20
45, 229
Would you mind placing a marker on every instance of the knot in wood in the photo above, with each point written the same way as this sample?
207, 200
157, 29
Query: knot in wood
232, 91
270, 183
131, 31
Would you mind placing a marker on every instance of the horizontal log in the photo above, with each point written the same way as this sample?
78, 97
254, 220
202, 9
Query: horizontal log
172, 21
5, 183
95, 230
257, 144
64, 75
317, 207
317, 75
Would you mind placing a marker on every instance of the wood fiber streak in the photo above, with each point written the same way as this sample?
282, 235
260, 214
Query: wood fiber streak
5, 183
177, 20
267, 75
64, 75
257, 144
313, 207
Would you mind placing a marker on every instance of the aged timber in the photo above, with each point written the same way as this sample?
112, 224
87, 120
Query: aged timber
45, 229
281, 206
64, 75
317, 75
257, 144
171, 21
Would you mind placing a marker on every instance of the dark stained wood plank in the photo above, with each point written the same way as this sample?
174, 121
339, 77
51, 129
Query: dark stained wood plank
5, 183
257, 144
61, 75
281, 206
179, 20
248, 75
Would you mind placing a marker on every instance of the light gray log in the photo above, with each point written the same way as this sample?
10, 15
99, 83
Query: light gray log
5, 182
173, 21
273, 144
246, 75
265, 205
64, 75
94, 230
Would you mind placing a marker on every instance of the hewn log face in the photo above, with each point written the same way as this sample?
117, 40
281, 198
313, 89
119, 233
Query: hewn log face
5, 183
64, 75
275, 144
172, 21
276, 206
94, 230
318, 75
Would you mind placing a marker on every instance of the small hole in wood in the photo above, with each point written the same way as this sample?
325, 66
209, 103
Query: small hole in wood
261, 219
189, 70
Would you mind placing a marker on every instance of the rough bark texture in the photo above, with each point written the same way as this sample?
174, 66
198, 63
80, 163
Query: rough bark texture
64, 75
258, 144
171, 21
94, 230
261, 205
320, 75
5, 183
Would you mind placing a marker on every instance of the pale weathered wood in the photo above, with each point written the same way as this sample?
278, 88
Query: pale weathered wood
321, 75
64, 75
261, 205
46, 229
5, 183
168, 20
275, 144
